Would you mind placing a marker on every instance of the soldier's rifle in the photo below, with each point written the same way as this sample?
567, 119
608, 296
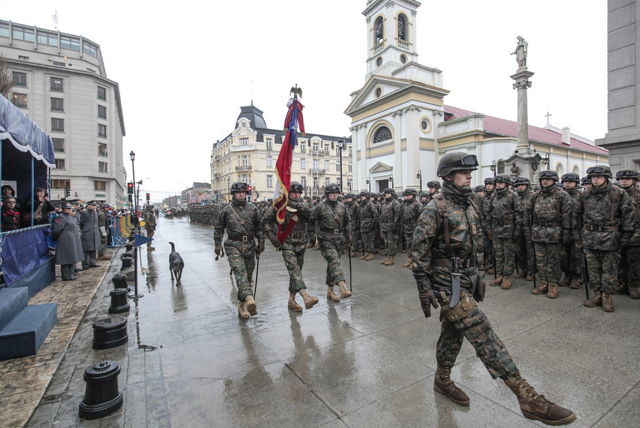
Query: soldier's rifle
583, 270
532, 266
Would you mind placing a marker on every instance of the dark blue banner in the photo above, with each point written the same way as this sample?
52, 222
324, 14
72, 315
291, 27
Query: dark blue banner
23, 251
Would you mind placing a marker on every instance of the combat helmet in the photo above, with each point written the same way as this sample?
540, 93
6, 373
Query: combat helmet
332, 188
626, 174
570, 177
480, 189
503, 178
410, 191
239, 186
296, 187
434, 185
548, 175
456, 161
518, 181
365, 194
349, 195
489, 180
599, 170
585, 180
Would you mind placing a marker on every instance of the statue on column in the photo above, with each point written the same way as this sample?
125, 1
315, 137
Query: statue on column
521, 52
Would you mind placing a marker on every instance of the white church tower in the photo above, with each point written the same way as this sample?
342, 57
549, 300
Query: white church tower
395, 115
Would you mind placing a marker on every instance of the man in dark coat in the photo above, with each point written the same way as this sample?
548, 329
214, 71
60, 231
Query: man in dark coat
90, 235
66, 231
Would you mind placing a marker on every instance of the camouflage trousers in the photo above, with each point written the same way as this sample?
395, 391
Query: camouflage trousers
409, 238
368, 241
478, 331
548, 259
243, 271
331, 254
633, 263
378, 241
150, 233
603, 269
390, 242
505, 254
521, 253
294, 260
570, 262
355, 238
488, 251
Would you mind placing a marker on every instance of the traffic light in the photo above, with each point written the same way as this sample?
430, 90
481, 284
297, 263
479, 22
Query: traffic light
67, 192
130, 198
130, 188
249, 190
148, 197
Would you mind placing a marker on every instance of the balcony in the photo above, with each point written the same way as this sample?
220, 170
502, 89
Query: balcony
317, 171
215, 175
269, 148
315, 152
246, 167
377, 48
404, 45
216, 157
326, 151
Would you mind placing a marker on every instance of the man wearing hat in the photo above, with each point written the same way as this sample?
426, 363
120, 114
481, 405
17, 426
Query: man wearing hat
66, 231
390, 211
354, 213
629, 269
103, 227
90, 235
572, 256
434, 187
489, 186
150, 225
523, 187
367, 220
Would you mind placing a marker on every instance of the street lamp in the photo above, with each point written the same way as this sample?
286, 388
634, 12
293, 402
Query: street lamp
419, 177
369, 184
493, 168
132, 156
545, 161
391, 180
341, 145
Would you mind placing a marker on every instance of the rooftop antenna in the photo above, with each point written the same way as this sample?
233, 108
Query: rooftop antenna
548, 115
55, 18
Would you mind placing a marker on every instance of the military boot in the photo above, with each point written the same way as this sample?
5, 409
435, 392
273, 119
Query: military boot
316, 247
390, 261
633, 292
506, 282
553, 290
565, 281
309, 245
344, 291
542, 288
491, 270
309, 301
443, 384
575, 282
293, 305
535, 406
596, 300
369, 257
607, 302
364, 257
385, 261
497, 281
522, 274
242, 312
407, 264
353, 254
332, 296
621, 289
251, 305
529, 276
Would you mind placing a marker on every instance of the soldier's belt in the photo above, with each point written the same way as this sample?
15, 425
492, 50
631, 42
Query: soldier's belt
502, 222
240, 238
542, 223
446, 263
464, 307
595, 228
332, 231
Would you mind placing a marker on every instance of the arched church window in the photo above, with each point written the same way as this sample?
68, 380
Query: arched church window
378, 34
402, 27
576, 170
382, 134
560, 169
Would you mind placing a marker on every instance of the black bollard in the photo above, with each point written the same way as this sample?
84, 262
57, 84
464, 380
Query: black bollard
126, 254
118, 301
120, 281
110, 333
101, 396
129, 247
126, 263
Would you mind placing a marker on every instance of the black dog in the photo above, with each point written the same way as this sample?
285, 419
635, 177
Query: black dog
176, 264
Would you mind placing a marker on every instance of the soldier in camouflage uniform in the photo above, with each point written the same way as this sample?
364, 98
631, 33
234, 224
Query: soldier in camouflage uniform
523, 186
240, 219
479, 190
432, 254
354, 213
572, 254
548, 226
377, 237
489, 185
629, 269
368, 219
434, 188
389, 220
411, 209
334, 234
505, 225
424, 199
586, 182
606, 217
149, 218
294, 244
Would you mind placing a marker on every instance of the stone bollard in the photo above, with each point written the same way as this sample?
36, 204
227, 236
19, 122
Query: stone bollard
118, 301
110, 333
127, 262
101, 396
120, 281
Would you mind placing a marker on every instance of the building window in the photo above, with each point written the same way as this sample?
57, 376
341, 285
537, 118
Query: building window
25, 34
102, 93
102, 149
58, 144
269, 160
57, 84
102, 112
326, 181
23, 58
327, 165
4, 30
303, 163
245, 178
60, 164
382, 134
350, 167
303, 181
378, 92
402, 27
70, 43
59, 64
269, 181
20, 100
102, 130
57, 125
47, 38
90, 49
338, 166
57, 104
315, 147
560, 169
60, 184
244, 141
576, 170
102, 167
99, 185
315, 182
19, 79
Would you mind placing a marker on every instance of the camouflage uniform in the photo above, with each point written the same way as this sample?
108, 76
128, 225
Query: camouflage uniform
488, 243
572, 254
354, 213
240, 245
150, 224
504, 220
629, 269
389, 220
521, 242
368, 219
410, 214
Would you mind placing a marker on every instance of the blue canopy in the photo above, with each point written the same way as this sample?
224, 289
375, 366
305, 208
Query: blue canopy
24, 134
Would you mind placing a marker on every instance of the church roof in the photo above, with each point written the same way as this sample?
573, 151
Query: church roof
254, 114
509, 128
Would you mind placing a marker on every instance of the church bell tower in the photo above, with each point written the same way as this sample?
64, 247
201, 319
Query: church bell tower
391, 35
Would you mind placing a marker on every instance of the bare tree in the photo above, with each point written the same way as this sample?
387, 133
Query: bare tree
6, 80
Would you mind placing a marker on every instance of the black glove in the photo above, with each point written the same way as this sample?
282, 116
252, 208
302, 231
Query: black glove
260, 248
527, 236
517, 235
293, 204
394, 230
624, 243
275, 242
218, 250
478, 293
566, 241
428, 299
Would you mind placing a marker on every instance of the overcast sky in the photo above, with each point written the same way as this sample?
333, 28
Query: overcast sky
185, 67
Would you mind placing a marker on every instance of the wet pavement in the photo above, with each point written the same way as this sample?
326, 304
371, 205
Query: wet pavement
367, 361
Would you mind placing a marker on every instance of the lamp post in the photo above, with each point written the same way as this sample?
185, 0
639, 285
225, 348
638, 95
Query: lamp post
391, 180
419, 177
341, 145
546, 161
369, 184
229, 189
493, 168
132, 156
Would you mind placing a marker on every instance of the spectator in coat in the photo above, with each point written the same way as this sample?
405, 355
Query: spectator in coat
10, 216
41, 209
90, 235
66, 231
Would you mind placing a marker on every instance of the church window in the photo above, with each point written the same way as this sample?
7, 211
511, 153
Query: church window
379, 61
402, 27
500, 167
425, 124
576, 170
378, 92
382, 134
378, 32
560, 169
403, 59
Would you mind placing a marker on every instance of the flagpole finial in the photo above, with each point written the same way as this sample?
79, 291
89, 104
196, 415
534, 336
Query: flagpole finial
296, 91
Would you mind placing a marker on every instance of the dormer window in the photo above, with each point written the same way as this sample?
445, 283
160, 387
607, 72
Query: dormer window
244, 124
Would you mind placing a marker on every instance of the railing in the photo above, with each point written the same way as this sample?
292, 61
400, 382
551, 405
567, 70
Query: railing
269, 147
318, 170
404, 44
326, 151
377, 48
243, 167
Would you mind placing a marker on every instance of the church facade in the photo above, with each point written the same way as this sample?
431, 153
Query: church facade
401, 126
